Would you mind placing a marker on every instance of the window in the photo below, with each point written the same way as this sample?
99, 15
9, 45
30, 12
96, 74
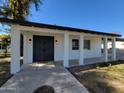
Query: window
75, 44
87, 44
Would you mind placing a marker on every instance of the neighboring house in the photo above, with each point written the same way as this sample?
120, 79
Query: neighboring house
43, 42
119, 48
119, 44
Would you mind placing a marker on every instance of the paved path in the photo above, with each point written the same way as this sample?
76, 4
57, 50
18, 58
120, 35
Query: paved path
33, 76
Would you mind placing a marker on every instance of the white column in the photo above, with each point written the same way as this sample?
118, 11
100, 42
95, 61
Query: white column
105, 49
15, 50
66, 49
114, 49
81, 58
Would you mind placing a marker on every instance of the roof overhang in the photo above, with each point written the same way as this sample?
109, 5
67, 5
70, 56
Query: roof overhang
117, 39
40, 25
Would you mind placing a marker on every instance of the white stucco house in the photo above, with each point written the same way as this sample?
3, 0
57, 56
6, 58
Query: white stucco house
44, 42
119, 44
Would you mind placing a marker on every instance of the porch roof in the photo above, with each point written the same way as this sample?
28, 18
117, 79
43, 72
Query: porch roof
49, 26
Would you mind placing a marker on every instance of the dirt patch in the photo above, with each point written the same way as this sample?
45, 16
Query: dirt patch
103, 78
4, 72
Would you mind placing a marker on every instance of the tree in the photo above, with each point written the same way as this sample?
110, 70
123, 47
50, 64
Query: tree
5, 42
17, 9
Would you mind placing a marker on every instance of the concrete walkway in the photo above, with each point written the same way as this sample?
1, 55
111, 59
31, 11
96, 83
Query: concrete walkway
33, 76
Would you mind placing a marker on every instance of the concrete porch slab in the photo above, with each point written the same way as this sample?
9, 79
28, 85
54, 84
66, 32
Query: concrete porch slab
33, 76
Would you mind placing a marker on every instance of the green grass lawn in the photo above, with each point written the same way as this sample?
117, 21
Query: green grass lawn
4, 72
108, 79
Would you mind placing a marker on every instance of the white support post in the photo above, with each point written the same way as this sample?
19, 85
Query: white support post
106, 49
114, 49
15, 50
66, 49
81, 58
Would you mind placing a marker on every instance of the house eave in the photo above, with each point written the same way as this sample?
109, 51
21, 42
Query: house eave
41, 25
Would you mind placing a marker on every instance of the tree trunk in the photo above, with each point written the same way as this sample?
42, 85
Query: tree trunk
5, 51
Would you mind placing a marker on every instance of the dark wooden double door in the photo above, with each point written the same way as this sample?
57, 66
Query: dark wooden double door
43, 48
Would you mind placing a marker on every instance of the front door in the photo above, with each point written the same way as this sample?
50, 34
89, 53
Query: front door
43, 48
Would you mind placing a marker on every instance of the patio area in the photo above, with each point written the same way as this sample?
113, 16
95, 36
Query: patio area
76, 62
33, 76
119, 56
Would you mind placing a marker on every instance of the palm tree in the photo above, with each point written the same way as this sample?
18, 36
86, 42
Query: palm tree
18, 9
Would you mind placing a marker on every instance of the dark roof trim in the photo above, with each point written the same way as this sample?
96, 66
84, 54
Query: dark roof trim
120, 39
26, 23
117, 39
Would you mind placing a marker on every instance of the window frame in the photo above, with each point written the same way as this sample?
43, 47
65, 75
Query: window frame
76, 45
87, 44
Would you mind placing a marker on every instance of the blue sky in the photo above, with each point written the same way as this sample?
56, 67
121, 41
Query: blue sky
98, 15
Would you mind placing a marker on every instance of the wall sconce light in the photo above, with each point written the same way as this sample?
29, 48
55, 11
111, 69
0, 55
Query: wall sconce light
56, 41
29, 39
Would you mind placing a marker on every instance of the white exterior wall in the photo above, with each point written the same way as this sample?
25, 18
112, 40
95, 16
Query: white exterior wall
95, 50
28, 48
73, 54
58, 46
